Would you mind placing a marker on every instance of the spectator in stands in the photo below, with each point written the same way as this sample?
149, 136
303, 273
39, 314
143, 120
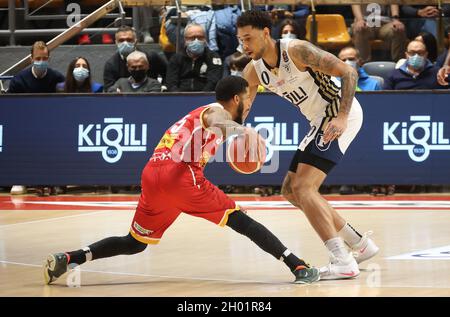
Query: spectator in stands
350, 55
138, 81
422, 18
39, 78
416, 73
197, 68
202, 15
79, 79
366, 28
116, 66
430, 43
290, 29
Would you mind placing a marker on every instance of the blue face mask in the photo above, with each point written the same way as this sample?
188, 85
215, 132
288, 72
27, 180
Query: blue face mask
416, 62
125, 48
196, 47
40, 67
80, 74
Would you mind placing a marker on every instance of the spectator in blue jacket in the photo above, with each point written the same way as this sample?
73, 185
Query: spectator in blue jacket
39, 78
416, 73
78, 78
350, 55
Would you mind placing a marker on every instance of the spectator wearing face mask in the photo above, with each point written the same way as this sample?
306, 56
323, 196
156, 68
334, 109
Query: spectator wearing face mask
78, 78
116, 65
416, 73
39, 78
350, 56
138, 67
197, 68
290, 29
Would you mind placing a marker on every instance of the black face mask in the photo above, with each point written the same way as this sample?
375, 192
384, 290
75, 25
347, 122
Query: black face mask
138, 75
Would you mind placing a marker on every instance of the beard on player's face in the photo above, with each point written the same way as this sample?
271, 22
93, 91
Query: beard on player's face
239, 112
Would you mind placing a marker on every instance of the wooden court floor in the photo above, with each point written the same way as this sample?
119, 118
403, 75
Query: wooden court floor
197, 258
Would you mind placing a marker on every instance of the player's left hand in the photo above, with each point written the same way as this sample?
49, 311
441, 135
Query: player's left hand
335, 128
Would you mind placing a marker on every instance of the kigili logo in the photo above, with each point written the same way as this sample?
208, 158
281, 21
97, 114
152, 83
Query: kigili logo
112, 139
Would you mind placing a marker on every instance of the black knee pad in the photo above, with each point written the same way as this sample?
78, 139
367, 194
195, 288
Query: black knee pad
239, 222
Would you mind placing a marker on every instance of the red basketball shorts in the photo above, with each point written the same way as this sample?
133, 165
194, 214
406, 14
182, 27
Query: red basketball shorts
170, 188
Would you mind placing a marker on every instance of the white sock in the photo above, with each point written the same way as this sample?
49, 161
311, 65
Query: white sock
337, 248
350, 235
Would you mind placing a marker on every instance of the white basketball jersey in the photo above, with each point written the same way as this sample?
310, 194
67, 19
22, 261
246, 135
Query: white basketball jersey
314, 93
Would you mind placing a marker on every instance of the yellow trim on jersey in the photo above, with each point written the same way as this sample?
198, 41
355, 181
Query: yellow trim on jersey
144, 239
228, 212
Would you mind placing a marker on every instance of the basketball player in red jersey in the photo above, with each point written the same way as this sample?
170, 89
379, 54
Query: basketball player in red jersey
173, 182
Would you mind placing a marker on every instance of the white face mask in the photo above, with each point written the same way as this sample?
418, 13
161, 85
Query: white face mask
236, 73
288, 35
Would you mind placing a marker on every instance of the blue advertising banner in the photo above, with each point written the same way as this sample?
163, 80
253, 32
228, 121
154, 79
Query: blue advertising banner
107, 139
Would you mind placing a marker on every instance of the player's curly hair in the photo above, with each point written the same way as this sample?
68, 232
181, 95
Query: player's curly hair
256, 18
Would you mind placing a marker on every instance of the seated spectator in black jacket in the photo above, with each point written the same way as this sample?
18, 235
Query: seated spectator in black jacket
138, 81
78, 78
38, 78
416, 73
197, 68
116, 65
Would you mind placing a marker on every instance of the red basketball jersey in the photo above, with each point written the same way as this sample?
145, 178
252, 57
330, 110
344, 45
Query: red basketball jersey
188, 140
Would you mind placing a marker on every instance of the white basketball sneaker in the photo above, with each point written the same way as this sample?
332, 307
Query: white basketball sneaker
364, 249
339, 269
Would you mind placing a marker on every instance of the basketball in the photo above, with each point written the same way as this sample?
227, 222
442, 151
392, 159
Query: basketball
246, 153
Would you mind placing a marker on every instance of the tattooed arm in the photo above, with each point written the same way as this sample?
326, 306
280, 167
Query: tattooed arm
306, 55
217, 118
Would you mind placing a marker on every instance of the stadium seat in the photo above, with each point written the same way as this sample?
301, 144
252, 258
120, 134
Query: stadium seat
331, 30
382, 69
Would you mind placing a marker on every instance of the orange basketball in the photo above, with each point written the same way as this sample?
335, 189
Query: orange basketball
246, 153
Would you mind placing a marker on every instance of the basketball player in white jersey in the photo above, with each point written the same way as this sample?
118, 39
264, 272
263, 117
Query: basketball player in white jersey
302, 73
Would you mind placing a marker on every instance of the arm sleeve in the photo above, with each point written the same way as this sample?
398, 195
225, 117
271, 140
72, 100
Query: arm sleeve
409, 11
14, 86
113, 87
